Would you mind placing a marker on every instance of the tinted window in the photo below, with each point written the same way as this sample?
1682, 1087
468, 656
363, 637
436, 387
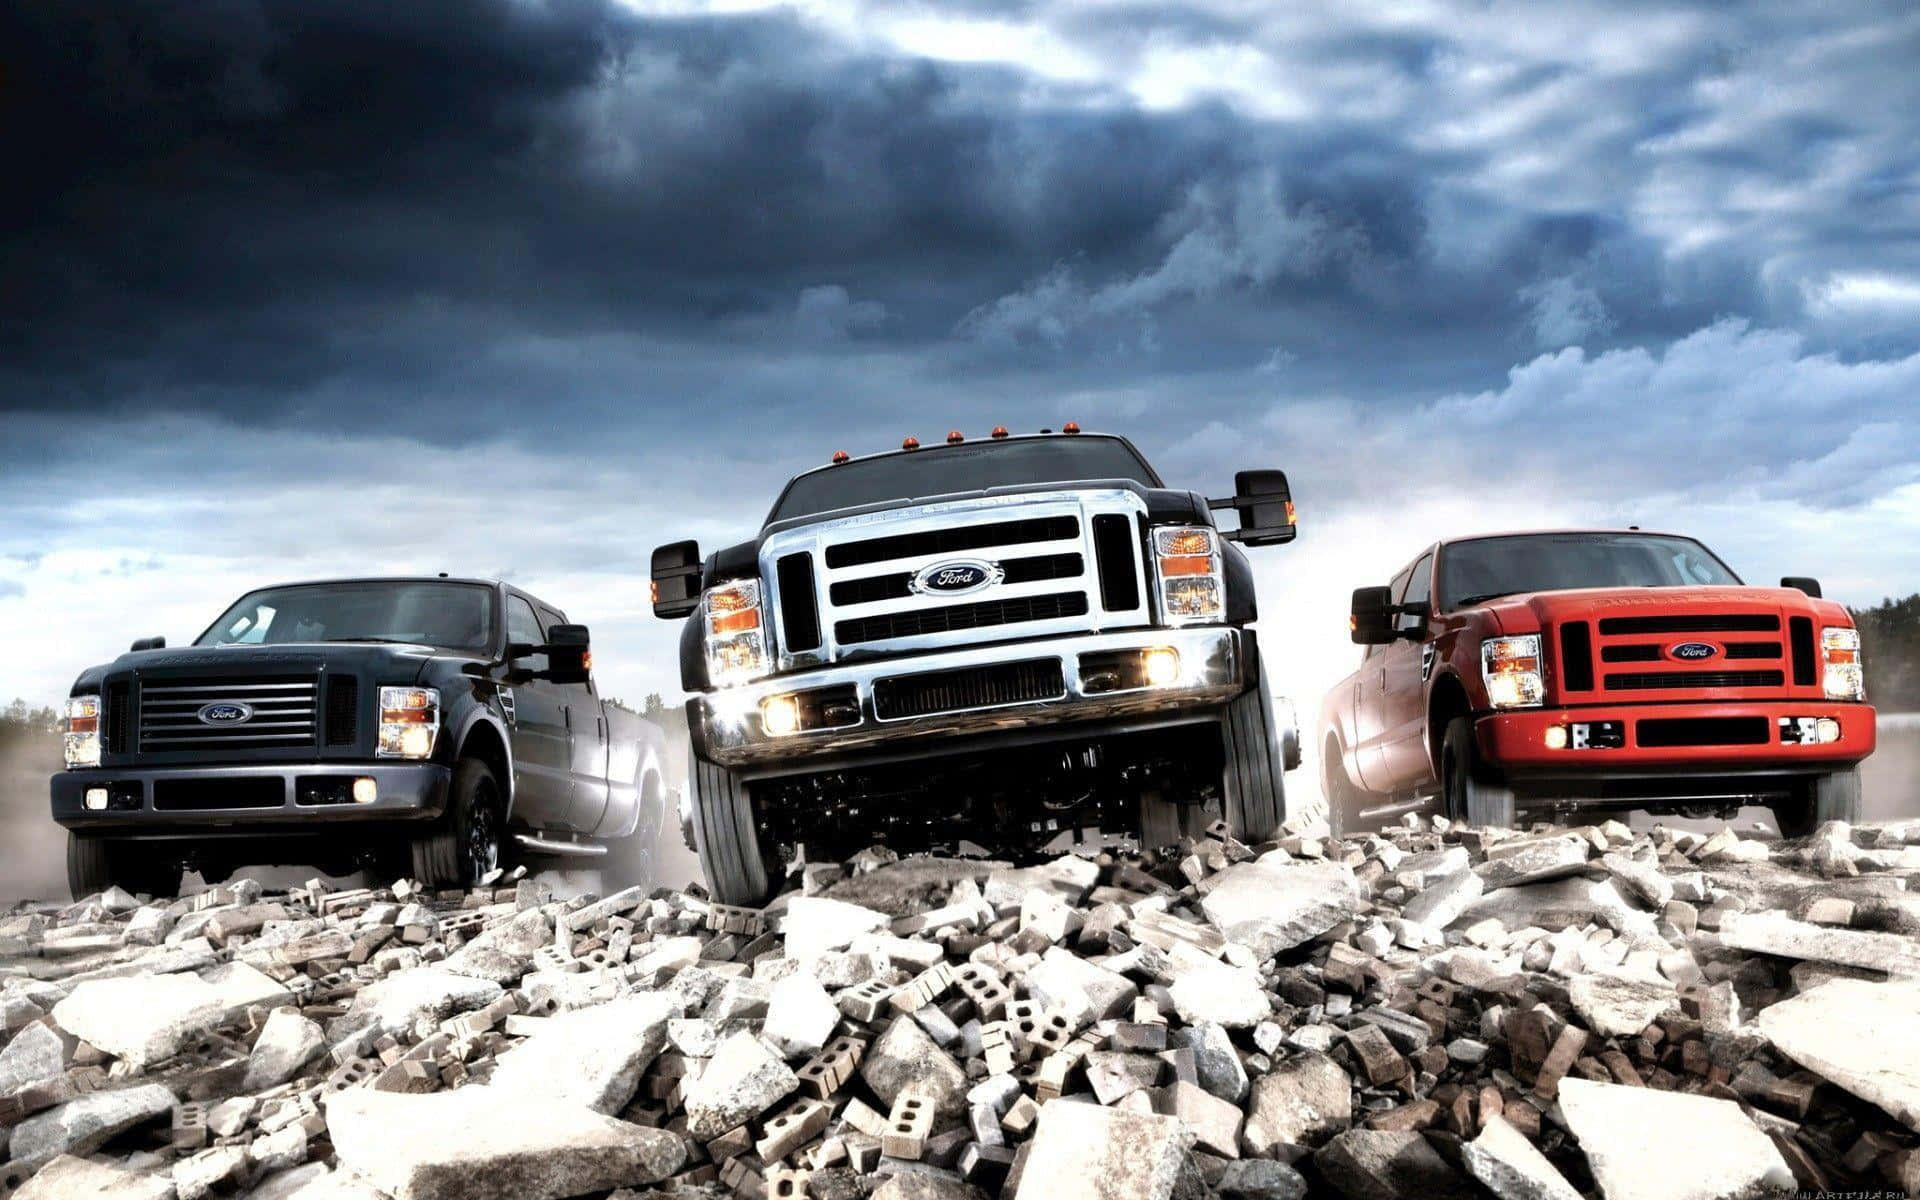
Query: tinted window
1489, 567
1419, 589
523, 626
453, 616
942, 470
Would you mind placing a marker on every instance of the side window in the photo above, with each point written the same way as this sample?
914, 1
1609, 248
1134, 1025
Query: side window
523, 626
1419, 589
1397, 587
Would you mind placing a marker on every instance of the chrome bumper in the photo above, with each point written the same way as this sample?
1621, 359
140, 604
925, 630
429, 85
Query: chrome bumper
731, 734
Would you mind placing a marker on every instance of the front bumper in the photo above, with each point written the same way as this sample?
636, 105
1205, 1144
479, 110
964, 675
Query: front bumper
262, 799
1517, 741
728, 728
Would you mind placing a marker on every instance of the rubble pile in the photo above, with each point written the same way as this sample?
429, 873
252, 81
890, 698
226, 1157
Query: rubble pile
1437, 1010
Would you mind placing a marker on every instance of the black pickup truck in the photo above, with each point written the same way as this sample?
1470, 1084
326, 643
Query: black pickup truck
995, 642
420, 726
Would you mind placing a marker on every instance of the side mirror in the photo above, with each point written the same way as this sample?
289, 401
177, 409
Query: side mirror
1421, 611
1265, 505
149, 643
676, 579
1372, 623
569, 656
1800, 582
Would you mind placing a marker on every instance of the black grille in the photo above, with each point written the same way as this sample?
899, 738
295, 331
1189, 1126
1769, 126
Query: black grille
952, 541
1672, 681
1576, 656
343, 710
1704, 731
1722, 623
1800, 635
192, 795
1113, 550
1753, 650
917, 622
799, 609
282, 713
897, 586
1635, 653
119, 702
973, 687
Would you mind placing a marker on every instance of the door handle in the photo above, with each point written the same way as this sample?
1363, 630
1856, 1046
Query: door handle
566, 711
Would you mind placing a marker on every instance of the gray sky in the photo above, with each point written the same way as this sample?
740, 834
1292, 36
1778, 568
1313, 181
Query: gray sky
525, 288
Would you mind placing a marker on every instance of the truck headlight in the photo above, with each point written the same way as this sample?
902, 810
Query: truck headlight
409, 722
736, 634
1186, 564
1840, 649
82, 741
1511, 668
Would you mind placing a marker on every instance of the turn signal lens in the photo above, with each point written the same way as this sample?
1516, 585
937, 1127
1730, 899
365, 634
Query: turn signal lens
1845, 677
1186, 563
1185, 541
82, 735
1511, 668
736, 638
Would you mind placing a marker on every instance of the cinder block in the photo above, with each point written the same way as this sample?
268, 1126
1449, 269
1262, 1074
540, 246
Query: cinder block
908, 1127
792, 1128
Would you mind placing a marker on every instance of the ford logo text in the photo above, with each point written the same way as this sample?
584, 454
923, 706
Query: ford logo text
1694, 651
957, 577
225, 712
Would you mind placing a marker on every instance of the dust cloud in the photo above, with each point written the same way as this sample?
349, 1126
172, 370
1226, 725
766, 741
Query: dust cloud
33, 850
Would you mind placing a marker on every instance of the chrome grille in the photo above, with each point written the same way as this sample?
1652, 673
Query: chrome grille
859, 591
283, 713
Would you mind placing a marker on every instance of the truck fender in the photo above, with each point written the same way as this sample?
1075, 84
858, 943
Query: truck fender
628, 824
1447, 699
482, 734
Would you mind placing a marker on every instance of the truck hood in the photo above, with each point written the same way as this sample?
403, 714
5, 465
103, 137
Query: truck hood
1528, 612
394, 663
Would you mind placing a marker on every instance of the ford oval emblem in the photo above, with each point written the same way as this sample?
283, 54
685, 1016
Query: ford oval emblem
1694, 651
225, 712
957, 577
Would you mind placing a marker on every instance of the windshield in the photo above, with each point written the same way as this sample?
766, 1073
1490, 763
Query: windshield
454, 616
943, 470
1481, 570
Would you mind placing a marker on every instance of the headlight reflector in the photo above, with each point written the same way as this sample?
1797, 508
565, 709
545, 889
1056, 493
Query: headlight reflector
1160, 666
736, 635
1840, 649
409, 722
780, 715
1186, 563
82, 740
1512, 670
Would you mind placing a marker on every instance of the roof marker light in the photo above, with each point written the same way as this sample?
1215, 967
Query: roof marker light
912, 443
955, 437
840, 456
1070, 427
999, 431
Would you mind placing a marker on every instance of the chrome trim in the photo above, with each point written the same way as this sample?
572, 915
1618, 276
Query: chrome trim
1212, 659
540, 845
814, 539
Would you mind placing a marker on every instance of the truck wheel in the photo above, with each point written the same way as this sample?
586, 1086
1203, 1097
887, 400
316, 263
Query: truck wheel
1474, 794
1164, 822
630, 859
1344, 800
724, 836
464, 845
1256, 799
96, 864
1831, 797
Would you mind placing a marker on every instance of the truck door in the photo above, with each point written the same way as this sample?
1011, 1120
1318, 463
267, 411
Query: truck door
542, 748
587, 766
1404, 764
1369, 706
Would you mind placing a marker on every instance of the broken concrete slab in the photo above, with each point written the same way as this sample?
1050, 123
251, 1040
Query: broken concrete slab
1380, 1164
141, 1018
1618, 1003
84, 1124
393, 1004
1647, 1144
815, 925
590, 1057
1519, 861
905, 1059
1217, 993
744, 1078
1861, 1036
1441, 902
480, 1143
800, 1016
1275, 903
1301, 1102
1778, 934
70, 1178
287, 1042
1561, 904
1509, 1166
1085, 1152
1085, 991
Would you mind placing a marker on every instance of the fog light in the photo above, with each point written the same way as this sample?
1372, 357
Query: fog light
780, 715
1161, 666
365, 791
97, 799
1556, 737
1826, 730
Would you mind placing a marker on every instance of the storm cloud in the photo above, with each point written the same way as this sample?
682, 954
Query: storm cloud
525, 287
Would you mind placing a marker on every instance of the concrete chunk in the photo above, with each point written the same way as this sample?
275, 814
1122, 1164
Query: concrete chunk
1303, 1101
1274, 904
1864, 1037
1645, 1144
286, 1043
744, 1078
1509, 1166
591, 1057
82, 1125
1778, 934
905, 1058
68, 1178
1085, 1152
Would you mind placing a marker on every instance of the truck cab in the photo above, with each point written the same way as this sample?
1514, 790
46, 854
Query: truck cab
1594, 670
983, 643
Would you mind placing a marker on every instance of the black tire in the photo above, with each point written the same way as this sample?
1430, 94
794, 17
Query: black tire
724, 836
1830, 797
1474, 792
630, 860
1344, 800
1255, 791
1164, 822
468, 842
96, 864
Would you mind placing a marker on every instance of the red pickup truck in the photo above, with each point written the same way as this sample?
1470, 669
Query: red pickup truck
1594, 670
